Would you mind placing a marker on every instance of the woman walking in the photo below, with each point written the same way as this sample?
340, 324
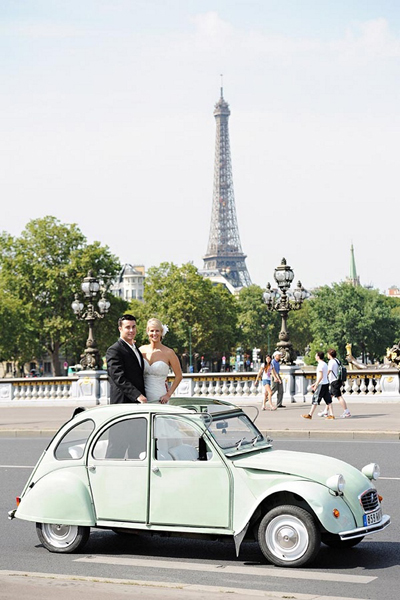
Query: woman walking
265, 375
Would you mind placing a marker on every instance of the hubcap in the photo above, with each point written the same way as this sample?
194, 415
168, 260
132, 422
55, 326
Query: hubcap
287, 537
60, 536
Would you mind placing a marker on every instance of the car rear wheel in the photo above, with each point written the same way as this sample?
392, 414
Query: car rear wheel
288, 536
62, 538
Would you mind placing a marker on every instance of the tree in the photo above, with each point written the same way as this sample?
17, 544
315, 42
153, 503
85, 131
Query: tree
257, 326
299, 325
192, 308
346, 314
42, 269
17, 344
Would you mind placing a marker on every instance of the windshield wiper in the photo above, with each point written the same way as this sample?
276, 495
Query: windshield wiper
239, 443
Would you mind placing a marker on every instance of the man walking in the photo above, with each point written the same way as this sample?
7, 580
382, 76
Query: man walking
125, 365
336, 385
277, 385
321, 388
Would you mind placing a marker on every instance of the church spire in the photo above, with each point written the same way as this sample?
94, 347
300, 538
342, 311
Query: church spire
353, 278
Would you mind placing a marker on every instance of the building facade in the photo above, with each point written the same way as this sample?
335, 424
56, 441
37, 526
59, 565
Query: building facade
129, 284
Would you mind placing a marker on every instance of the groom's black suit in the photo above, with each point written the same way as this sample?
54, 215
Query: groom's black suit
125, 373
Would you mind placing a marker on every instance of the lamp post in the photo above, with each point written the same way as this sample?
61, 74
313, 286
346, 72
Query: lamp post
90, 359
190, 351
283, 301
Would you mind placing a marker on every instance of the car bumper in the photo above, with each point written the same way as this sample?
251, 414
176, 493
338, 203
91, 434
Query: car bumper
362, 531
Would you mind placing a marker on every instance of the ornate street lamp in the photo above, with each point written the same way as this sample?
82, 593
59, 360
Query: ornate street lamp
90, 287
283, 301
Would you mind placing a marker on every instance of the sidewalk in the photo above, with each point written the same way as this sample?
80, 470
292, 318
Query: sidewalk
380, 420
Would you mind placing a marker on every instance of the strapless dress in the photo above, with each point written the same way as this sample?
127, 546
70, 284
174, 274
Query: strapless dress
155, 375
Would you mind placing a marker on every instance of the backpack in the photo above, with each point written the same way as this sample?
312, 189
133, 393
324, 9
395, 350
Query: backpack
342, 372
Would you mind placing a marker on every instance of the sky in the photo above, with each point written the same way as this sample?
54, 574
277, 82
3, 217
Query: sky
106, 121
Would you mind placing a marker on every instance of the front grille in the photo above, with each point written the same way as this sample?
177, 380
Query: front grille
369, 500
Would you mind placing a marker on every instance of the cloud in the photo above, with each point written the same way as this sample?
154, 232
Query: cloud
370, 39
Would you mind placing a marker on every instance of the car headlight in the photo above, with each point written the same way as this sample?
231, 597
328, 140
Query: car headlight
336, 483
372, 471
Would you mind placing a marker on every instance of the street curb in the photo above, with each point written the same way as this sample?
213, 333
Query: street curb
19, 433
337, 435
273, 433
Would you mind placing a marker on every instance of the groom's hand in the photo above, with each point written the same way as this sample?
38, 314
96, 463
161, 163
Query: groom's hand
142, 399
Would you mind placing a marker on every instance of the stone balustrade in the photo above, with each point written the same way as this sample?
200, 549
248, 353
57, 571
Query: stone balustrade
92, 387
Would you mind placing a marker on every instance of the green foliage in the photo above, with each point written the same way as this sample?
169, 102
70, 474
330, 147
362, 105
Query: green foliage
299, 325
188, 304
41, 269
256, 324
346, 314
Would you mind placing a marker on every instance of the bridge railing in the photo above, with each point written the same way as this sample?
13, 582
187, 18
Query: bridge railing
92, 387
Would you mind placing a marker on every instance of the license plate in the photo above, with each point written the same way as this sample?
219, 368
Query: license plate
373, 518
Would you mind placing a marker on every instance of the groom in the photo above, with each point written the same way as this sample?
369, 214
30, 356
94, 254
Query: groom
125, 365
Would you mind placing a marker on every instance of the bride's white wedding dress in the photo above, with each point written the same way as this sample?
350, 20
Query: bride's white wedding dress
155, 375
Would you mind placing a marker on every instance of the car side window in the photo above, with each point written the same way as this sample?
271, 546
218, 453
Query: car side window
124, 440
72, 445
175, 439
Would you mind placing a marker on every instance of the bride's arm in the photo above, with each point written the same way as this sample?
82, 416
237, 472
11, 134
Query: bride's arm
176, 367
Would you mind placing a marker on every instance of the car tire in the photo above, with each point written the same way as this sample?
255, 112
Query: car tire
334, 541
62, 538
288, 536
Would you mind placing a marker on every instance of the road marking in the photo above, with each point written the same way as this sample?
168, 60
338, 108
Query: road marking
28, 578
15, 467
261, 571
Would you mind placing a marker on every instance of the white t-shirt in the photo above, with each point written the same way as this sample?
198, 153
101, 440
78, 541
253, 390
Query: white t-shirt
333, 368
323, 367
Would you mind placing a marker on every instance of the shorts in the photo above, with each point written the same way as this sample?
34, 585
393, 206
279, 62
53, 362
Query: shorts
322, 393
266, 382
336, 388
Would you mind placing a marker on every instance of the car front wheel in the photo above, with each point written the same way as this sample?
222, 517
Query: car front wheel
62, 538
288, 536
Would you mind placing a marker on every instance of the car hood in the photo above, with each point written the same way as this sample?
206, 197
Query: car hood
314, 467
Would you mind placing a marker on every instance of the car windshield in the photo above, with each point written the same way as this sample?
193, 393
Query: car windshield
235, 433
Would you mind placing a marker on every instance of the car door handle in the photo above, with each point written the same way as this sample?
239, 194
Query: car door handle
155, 469
92, 469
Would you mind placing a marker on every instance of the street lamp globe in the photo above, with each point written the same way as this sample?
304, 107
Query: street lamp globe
90, 285
103, 304
77, 306
283, 275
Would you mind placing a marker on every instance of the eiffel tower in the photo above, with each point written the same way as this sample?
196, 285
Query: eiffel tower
224, 252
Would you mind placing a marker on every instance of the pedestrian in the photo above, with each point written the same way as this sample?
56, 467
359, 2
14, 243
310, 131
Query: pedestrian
335, 384
125, 365
321, 388
265, 373
277, 385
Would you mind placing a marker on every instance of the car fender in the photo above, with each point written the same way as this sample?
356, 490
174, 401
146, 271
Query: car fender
321, 501
61, 496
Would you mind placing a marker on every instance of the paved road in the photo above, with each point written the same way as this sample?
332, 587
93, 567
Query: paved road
174, 569
368, 421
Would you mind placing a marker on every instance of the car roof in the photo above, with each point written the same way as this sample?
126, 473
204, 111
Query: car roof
105, 412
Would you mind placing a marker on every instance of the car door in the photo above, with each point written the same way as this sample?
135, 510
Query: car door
118, 471
184, 490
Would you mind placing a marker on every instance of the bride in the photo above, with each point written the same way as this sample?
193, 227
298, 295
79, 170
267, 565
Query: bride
157, 361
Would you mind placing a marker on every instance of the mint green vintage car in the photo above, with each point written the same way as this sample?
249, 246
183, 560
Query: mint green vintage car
194, 467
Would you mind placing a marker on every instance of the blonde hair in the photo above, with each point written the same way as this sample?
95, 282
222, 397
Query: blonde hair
155, 322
